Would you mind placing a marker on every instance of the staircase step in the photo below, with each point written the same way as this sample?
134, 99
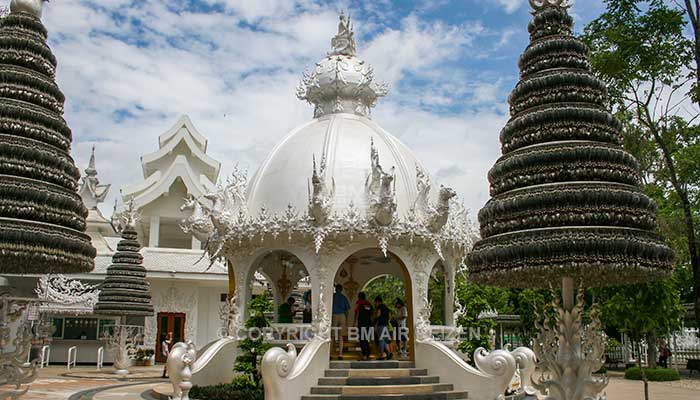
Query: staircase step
447, 395
371, 372
386, 389
378, 380
372, 364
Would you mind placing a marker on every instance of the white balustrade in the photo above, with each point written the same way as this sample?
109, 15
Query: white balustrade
72, 356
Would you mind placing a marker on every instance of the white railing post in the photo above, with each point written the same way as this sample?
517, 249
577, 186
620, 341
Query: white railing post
45, 356
73, 351
100, 357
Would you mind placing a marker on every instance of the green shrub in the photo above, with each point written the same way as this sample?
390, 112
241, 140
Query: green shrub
653, 374
243, 382
224, 392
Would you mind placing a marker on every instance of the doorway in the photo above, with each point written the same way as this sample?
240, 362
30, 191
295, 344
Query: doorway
169, 322
392, 282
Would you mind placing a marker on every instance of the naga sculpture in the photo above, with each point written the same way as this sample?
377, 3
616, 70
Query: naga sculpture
179, 364
381, 193
320, 196
198, 223
434, 216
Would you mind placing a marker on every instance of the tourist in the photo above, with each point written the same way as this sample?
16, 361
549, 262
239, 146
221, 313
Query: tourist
166, 345
341, 306
363, 321
402, 330
383, 315
664, 354
306, 315
285, 312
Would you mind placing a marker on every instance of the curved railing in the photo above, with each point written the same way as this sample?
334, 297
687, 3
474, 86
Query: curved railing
489, 380
288, 376
213, 366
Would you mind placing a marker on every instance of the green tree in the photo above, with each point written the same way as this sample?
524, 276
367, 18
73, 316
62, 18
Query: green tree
475, 299
389, 288
253, 346
639, 49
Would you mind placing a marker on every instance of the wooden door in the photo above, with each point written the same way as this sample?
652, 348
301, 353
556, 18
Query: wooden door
169, 322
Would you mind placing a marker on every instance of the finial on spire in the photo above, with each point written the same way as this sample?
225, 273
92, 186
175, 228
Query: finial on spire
344, 42
540, 4
91, 170
33, 7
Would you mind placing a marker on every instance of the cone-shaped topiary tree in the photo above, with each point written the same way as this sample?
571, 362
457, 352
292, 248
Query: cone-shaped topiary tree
125, 291
566, 203
42, 218
566, 198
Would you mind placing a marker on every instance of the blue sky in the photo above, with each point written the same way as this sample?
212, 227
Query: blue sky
130, 68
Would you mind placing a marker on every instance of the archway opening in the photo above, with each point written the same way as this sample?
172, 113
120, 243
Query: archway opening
283, 279
369, 272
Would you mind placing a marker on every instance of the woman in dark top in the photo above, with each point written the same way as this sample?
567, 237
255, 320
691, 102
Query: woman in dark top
383, 315
363, 320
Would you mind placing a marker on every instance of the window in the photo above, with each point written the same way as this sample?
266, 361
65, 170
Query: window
105, 326
80, 329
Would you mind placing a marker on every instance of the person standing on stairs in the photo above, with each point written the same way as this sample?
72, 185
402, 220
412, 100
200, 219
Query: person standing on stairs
383, 316
363, 321
402, 330
341, 307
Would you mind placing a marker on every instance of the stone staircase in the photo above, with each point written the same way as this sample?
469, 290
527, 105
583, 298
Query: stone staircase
362, 380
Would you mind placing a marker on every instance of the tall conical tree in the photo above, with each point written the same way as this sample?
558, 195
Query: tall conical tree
125, 291
566, 197
42, 218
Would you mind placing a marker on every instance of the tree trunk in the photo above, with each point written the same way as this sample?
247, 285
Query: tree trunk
693, 10
641, 369
651, 351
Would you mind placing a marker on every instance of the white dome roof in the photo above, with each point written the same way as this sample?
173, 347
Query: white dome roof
344, 140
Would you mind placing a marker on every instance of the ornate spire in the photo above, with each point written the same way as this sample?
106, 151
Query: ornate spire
540, 4
125, 291
91, 191
33, 7
344, 42
42, 218
341, 82
566, 197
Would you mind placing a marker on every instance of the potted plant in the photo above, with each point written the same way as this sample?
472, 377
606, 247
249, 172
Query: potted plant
143, 356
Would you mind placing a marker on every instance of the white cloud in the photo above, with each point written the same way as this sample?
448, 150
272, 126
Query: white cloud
237, 83
510, 6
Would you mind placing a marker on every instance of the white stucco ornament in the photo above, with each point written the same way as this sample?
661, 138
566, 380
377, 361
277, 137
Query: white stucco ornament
33, 7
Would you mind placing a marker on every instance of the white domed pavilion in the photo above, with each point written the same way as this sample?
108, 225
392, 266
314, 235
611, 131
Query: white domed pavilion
342, 201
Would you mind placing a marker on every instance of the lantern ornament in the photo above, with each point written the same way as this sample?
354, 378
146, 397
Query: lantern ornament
566, 204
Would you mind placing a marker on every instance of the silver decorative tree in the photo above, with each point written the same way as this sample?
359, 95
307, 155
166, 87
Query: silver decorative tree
566, 206
125, 291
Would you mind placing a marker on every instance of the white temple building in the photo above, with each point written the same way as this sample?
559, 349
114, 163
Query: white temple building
187, 290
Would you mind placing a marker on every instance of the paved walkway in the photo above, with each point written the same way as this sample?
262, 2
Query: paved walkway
53, 384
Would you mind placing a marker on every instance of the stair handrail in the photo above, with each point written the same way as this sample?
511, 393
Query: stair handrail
72, 351
45, 356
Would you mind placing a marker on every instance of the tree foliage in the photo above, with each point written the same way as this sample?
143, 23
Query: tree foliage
253, 346
639, 49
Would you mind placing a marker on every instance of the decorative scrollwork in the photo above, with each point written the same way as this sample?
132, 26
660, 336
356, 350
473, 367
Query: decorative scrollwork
497, 362
540, 4
62, 291
568, 354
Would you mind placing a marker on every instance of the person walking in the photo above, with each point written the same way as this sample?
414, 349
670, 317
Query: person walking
341, 307
402, 330
363, 321
285, 312
383, 316
165, 347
